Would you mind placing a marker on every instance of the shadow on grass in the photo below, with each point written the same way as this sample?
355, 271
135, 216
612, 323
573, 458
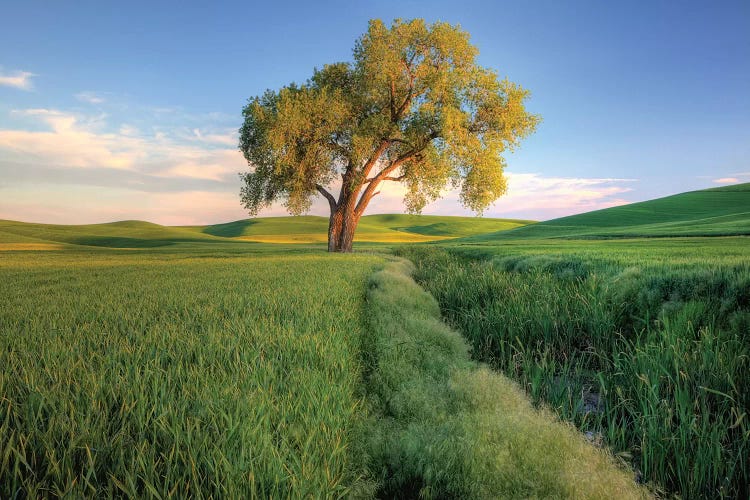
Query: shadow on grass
230, 229
119, 242
436, 229
124, 242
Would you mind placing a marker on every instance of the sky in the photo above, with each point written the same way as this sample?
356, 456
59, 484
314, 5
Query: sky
130, 110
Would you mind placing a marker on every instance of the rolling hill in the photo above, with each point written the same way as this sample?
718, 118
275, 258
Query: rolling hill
388, 228
723, 211
385, 228
123, 234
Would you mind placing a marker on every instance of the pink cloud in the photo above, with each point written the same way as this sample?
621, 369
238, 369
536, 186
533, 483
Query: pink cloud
530, 196
72, 204
726, 180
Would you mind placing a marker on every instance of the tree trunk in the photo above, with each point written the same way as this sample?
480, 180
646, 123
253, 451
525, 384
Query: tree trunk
343, 222
334, 231
347, 232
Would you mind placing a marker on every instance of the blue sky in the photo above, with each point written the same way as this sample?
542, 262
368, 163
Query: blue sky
129, 110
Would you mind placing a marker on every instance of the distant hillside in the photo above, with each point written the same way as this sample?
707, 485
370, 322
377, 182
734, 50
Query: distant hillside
123, 234
710, 212
386, 228
389, 228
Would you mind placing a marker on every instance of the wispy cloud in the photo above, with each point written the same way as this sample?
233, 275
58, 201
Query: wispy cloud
226, 139
17, 79
727, 177
72, 140
77, 167
530, 196
67, 141
726, 180
543, 197
90, 97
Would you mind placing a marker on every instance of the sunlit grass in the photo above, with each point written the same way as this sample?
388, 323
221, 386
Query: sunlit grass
387, 237
158, 374
387, 228
383, 228
30, 246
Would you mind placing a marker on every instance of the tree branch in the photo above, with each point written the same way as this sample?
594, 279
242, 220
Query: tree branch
329, 197
399, 178
363, 201
375, 156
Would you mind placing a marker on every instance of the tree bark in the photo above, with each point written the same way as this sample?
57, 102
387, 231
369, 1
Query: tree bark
334, 231
344, 222
343, 219
346, 238
334, 221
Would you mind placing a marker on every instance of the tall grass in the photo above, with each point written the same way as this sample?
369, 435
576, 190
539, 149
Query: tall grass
444, 427
651, 356
169, 375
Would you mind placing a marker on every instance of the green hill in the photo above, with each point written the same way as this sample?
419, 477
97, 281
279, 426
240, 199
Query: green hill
123, 234
720, 211
711, 212
388, 228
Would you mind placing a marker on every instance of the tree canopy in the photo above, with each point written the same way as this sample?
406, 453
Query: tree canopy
413, 107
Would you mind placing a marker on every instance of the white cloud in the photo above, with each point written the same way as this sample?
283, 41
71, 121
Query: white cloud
90, 97
227, 139
726, 180
68, 141
529, 196
211, 165
17, 79
548, 197
73, 140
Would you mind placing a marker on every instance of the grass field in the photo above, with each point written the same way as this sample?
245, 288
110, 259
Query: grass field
123, 234
626, 321
645, 344
153, 374
220, 372
145, 360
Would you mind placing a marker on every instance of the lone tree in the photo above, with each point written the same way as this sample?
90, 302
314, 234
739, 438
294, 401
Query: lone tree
413, 107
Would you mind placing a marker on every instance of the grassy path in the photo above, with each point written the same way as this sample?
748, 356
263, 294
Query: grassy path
444, 426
